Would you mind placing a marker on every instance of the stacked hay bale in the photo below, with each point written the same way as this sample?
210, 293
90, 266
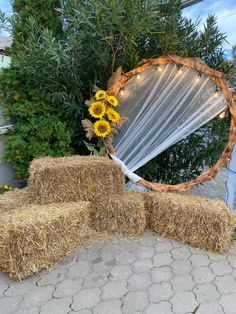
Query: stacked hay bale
36, 236
14, 199
95, 179
68, 179
193, 220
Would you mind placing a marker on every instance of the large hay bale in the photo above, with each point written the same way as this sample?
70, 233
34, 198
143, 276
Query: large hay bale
193, 220
37, 236
14, 199
119, 215
67, 179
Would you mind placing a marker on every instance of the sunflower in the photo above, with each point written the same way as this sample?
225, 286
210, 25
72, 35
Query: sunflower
112, 115
112, 100
97, 109
101, 128
101, 94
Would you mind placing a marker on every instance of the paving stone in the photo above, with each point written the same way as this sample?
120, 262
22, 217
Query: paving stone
216, 257
180, 253
108, 307
143, 265
206, 293
134, 302
221, 268
37, 296
19, 288
200, 260
211, 308
114, 289
183, 283
96, 279
3, 287
181, 267
57, 306
163, 307
225, 284
160, 274
139, 281
163, 247
145, 252
202, 275
82, 312
184, 302
147, 241
87, 298
52, 276
80, 269
176, 244
10, 304
228, 301
31, 310
125, 258
160, 292
232, 260
68, 287
120, 272
162, 259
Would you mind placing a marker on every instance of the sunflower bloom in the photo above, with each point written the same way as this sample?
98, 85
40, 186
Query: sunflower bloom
100, 95
101, 128
112, 115
112, 100
97, 109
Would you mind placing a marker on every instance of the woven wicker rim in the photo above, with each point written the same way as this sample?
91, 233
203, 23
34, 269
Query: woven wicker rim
218, 78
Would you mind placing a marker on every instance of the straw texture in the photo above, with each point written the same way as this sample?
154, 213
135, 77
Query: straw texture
119, 215
35, 237
66, 179
14, 199
200, 222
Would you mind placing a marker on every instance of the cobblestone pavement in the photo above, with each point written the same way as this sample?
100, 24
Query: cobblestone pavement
148, 274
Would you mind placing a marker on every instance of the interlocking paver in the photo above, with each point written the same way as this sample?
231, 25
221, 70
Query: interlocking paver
86, 298
160, 274
225, 284
202, 275
183, 283
114, 289
142, 275
210, 308
206, 293
184, 302
108, 307
135, 301
57, 306
160, 291
163, 307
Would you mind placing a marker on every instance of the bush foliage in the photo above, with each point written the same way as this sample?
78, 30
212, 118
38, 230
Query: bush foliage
60, 61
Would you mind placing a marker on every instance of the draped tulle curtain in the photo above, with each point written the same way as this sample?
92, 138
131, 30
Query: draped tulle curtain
163, 105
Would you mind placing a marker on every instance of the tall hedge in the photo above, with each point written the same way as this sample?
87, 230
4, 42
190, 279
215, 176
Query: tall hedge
96, 37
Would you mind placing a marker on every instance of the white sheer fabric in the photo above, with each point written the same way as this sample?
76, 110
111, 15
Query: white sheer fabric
163, 105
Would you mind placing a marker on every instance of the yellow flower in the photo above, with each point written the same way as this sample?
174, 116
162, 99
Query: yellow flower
10, 188
5, 187
101, 94
112, 115
101, 128
97, 109
112, 100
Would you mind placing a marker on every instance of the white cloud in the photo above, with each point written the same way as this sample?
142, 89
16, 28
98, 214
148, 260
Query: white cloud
226, 16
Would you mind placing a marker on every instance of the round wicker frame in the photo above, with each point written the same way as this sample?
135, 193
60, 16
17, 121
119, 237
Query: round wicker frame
218, 78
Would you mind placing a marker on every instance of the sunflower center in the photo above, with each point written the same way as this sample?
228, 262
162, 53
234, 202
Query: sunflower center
97, 110
102, 128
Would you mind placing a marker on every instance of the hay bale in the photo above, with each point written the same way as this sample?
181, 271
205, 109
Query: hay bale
193, 220
68, 179
119, 215
14, 199
37, 236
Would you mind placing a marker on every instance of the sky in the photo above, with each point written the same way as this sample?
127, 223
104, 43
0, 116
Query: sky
224, 9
